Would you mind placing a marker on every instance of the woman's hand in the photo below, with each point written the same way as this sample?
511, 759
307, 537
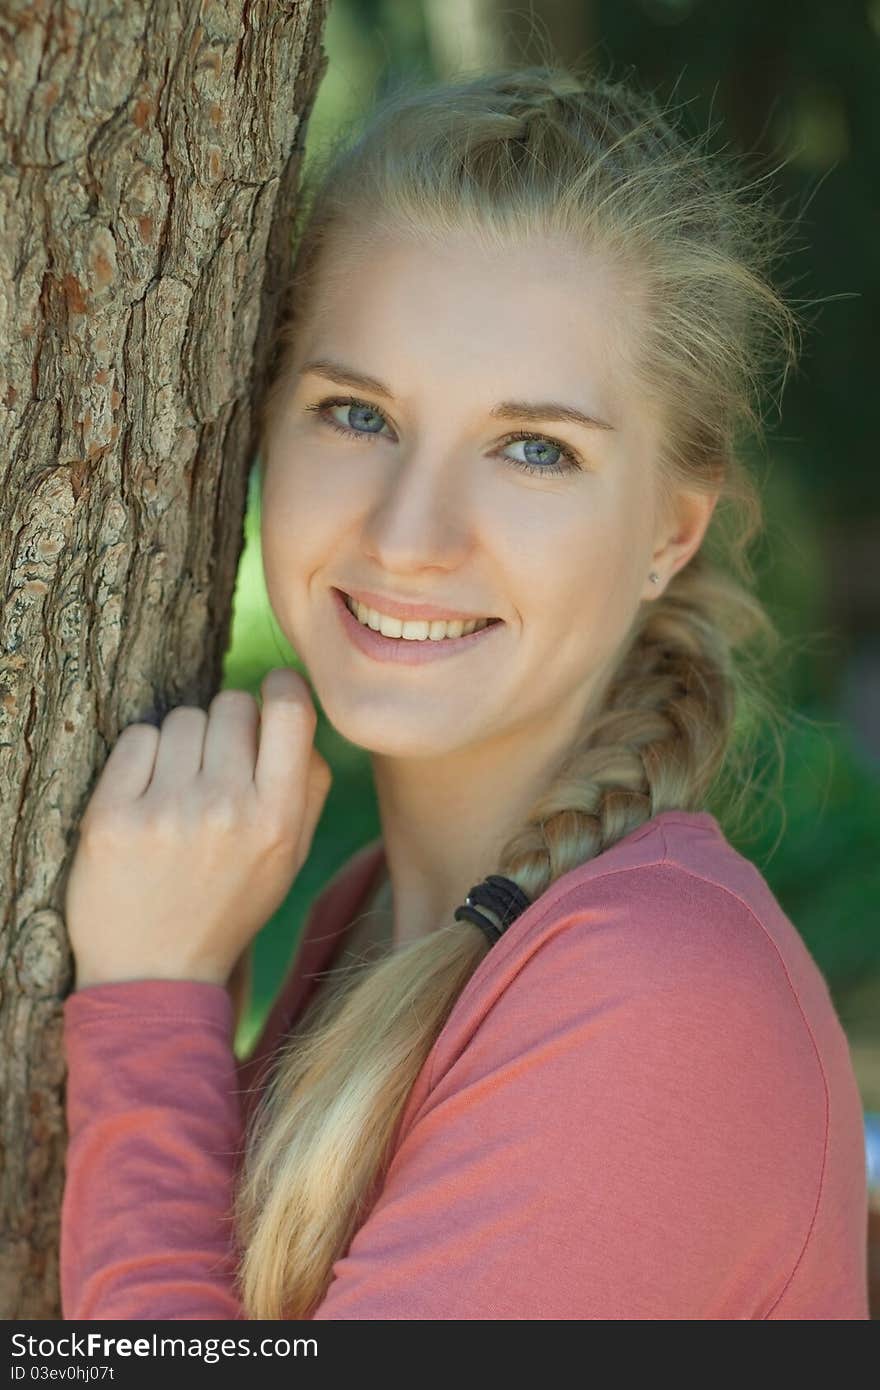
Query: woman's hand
194, 834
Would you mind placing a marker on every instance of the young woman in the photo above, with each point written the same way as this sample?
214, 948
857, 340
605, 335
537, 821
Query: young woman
549, 1048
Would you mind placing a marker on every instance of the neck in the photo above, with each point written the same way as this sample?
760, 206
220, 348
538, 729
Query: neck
445, 820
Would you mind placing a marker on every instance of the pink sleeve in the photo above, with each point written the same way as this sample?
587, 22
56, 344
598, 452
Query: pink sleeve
156, 1104
154, 1123
634, 1128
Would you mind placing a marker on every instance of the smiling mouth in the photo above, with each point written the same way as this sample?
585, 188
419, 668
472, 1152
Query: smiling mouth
413, 630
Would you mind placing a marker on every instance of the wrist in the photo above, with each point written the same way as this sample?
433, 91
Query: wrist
87, 977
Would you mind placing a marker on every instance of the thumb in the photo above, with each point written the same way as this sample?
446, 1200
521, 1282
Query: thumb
320, 780
287, 729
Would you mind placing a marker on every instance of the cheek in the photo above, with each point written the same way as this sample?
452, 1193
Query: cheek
580, 597
303, 514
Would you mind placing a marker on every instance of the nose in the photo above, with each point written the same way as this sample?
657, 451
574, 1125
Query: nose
421, 517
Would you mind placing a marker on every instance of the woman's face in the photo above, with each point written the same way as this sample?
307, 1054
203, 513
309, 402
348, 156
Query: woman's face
427, 500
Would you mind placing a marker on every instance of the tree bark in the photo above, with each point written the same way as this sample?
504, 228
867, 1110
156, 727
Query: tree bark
150, 170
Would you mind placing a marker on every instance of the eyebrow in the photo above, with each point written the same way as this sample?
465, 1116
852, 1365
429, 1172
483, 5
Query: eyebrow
505, 410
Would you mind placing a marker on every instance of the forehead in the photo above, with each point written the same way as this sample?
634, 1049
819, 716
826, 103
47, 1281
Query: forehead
539, 314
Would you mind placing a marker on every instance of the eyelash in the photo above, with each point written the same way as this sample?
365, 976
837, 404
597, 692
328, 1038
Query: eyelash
572, 465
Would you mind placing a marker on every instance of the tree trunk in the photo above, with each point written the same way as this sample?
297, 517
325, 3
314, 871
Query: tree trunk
151, 161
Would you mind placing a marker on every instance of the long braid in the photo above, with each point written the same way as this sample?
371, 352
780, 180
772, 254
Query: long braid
655, 744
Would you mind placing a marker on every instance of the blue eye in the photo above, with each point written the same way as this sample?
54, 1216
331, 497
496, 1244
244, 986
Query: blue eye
322, 407
542, 440
358, 407
572, 463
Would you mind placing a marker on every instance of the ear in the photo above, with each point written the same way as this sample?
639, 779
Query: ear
681, 533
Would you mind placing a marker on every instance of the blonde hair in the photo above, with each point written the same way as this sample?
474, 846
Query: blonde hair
502, 155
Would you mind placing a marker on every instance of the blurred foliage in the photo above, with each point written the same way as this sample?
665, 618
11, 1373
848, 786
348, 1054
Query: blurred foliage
795, 83
795, 87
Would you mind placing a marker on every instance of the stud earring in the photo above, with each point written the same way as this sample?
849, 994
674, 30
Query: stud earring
654, 578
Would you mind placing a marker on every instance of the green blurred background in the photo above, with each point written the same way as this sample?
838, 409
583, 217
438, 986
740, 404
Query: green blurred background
786, 81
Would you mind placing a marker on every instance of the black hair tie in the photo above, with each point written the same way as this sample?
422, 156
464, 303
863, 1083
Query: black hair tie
502, 896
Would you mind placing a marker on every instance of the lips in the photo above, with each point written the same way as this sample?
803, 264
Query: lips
378, 620
414, 611
399, 649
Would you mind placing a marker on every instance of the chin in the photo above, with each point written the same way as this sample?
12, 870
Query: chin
408, 728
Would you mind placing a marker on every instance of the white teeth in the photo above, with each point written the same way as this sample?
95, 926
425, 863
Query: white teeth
390, 627
416, 631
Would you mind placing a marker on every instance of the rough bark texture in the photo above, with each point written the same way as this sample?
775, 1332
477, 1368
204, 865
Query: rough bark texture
150, 165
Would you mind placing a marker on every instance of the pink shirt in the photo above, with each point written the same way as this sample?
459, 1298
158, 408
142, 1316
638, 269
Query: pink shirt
641, 1106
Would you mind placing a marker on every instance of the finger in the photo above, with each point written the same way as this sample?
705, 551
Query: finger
229, 753
128, 768
179, 755
320, 779
287, 731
